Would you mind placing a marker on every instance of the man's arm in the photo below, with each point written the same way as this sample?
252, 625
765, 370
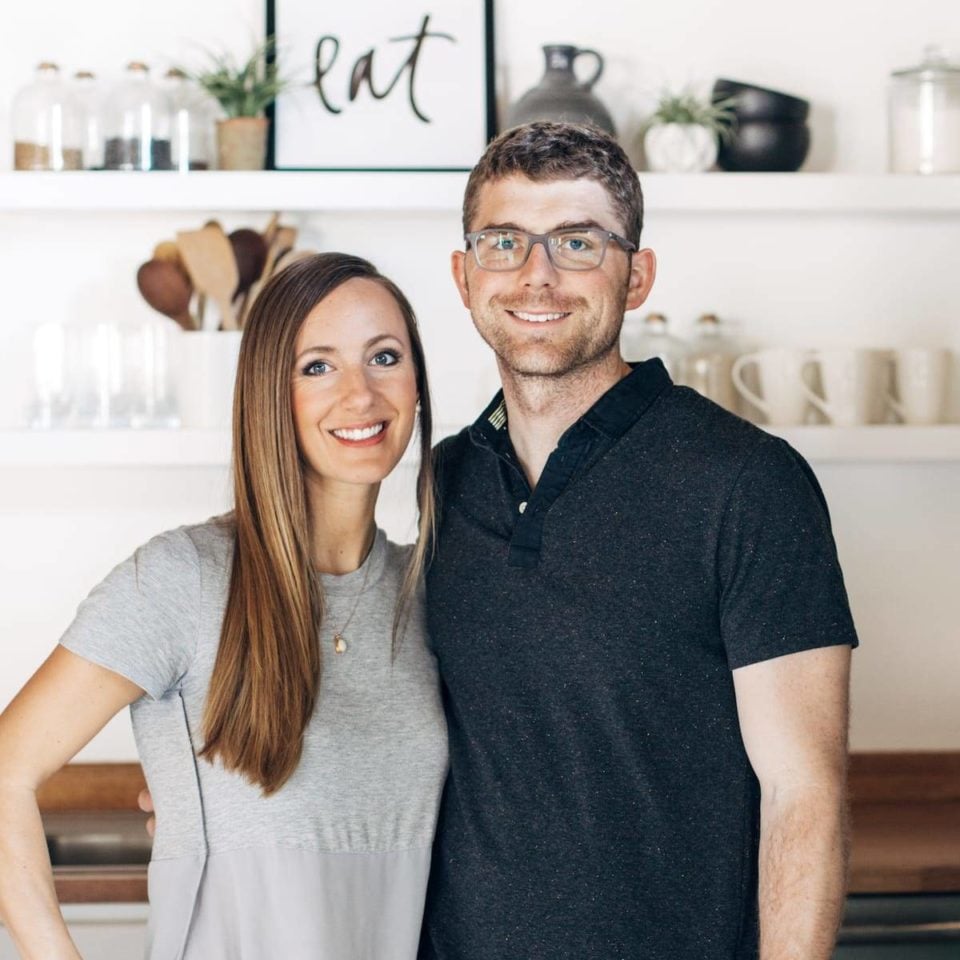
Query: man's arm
794, 714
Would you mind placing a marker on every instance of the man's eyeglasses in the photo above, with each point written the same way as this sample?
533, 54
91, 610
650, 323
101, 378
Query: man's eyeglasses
580, 248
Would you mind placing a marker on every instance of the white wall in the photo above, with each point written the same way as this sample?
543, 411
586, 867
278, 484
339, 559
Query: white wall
800, 279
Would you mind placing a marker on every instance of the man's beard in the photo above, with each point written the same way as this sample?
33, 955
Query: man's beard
548, 356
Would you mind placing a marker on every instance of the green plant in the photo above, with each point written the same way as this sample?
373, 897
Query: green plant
243, 90
685, 107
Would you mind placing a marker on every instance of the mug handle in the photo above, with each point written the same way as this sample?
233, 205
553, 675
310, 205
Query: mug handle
588, 84
812, 395
895, 405
742, 388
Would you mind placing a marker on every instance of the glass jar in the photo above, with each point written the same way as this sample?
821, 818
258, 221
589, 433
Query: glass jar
137, 124
924, 107
89, 100
651, 338
192, 116
46, 124
710, 362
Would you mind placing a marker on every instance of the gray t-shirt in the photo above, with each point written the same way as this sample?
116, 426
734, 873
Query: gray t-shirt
334, 864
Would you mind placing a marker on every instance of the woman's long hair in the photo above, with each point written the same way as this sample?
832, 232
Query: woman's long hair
266, 678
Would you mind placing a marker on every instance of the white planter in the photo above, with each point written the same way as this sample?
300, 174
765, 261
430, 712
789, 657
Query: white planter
680, 148
206, 371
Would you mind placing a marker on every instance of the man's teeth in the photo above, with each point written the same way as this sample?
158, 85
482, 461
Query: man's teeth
537, 317
364, 433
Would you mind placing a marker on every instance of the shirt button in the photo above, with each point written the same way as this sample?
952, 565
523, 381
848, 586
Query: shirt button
523, 506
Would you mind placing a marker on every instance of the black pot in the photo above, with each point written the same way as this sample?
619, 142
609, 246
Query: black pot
759, 103
765, 146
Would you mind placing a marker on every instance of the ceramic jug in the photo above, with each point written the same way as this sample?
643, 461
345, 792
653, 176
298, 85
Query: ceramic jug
560, 95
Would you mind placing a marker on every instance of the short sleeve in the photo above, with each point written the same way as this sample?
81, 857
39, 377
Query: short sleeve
781, 588
142, 620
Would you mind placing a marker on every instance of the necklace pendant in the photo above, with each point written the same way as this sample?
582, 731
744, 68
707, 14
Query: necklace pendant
339, 644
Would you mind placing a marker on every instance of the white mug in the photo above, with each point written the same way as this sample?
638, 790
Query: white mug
781, 399
920, 377
852, 383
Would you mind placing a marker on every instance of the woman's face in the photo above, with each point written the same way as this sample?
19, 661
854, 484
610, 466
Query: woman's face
354, 385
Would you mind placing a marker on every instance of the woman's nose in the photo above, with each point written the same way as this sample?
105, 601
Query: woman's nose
358, 393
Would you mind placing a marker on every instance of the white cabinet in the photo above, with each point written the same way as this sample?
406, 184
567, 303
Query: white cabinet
101, 931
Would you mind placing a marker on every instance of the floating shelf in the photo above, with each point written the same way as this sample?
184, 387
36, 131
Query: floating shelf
759, 193
211, 448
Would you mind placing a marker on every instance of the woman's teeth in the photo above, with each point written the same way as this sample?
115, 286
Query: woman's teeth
537, 317
363, 433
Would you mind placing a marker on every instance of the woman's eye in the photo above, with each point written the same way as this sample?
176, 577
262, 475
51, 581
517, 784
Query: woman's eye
385, 358
316, 368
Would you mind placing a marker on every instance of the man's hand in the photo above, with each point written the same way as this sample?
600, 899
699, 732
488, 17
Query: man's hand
145, 803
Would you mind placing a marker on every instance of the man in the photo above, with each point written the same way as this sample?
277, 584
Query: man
639, 617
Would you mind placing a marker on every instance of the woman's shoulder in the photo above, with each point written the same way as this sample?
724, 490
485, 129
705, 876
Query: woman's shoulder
189, 546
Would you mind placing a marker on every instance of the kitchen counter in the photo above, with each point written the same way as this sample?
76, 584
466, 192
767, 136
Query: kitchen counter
905, 825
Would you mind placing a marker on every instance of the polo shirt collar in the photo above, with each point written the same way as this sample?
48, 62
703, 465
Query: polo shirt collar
611, 416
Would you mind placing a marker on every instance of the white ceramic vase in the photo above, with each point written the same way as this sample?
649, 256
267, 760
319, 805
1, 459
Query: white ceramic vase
680, 148
206, 372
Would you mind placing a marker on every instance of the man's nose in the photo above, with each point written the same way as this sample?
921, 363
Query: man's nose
539, 269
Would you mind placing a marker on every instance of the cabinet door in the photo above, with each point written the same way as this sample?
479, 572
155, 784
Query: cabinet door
101, 931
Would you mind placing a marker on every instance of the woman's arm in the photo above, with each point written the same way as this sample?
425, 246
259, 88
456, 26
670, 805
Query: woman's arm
63, 705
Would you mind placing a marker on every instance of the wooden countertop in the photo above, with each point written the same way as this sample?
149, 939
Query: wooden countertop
905, 811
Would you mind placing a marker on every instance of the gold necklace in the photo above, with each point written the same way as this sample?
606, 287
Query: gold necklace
339, 643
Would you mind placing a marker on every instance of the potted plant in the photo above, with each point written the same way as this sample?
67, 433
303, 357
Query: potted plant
684, 131
244, 91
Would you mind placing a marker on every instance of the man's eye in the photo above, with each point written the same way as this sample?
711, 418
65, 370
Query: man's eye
316, 368
503, 241
385, 358
577, 244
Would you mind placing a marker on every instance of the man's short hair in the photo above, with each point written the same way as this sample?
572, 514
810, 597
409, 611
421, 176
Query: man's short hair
544, 150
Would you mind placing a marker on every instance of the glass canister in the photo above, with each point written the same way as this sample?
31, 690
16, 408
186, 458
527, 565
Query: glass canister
710, 362
89, 100
193, 116
46, 124
651, 338
924, 109
137, 124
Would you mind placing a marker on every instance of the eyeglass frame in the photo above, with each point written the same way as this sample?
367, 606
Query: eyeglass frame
534, 238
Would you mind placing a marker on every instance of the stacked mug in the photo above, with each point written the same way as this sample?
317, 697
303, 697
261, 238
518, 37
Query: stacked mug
848, 386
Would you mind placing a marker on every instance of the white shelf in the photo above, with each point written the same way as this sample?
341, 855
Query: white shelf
759, 193
211, 448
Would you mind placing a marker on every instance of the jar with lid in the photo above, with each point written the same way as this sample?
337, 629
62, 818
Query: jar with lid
651, 338
46, 124
710, 362
924, 112
193, 115
89, 98
137, 124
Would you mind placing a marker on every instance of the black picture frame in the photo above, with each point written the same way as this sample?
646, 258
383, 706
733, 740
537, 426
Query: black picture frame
351, 101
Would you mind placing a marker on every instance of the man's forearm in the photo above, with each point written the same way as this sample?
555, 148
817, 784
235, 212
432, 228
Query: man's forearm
804, 841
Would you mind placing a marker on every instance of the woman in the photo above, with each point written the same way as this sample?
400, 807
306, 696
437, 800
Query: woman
295, 768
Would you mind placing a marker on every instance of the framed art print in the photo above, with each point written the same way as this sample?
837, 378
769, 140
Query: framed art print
376, 86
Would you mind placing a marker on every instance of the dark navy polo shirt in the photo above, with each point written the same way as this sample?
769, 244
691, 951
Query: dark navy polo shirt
600, 803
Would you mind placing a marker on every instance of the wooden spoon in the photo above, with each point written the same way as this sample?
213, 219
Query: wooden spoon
283, 240
165, 287
208, 257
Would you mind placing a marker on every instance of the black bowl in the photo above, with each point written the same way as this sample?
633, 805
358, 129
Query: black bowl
764, 146
759, 103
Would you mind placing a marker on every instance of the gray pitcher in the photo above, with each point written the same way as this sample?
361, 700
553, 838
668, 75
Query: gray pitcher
560, 95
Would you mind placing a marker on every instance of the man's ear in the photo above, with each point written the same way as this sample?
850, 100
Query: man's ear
458, 267
643, 271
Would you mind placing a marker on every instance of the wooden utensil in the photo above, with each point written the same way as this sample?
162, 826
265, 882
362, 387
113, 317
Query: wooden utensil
166, 288
208, 257
283, 240
292, 256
